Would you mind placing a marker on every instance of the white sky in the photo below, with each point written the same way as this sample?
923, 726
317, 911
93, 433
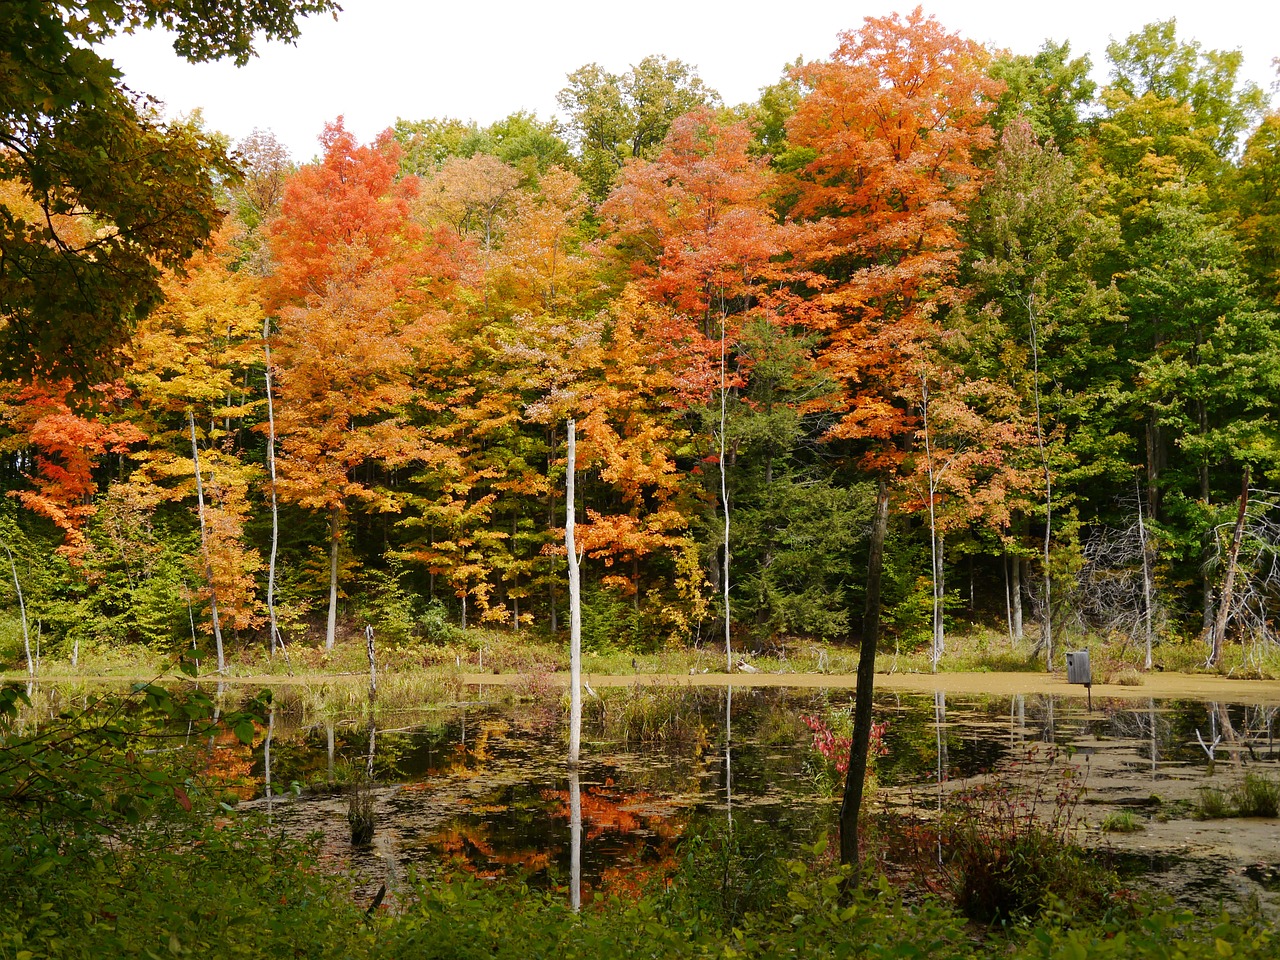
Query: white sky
484, 59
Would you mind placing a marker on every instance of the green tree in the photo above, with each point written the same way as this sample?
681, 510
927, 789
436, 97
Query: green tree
77, 148
1051, 90
613, 117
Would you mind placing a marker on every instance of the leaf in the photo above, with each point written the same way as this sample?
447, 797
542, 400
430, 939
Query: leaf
244, 732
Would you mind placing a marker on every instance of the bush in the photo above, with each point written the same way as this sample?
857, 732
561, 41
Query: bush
1257, 796
1121, 821
1212, 804
1011, 846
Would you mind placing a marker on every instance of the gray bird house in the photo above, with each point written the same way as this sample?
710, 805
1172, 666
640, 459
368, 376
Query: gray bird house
1078, 668
1078, 672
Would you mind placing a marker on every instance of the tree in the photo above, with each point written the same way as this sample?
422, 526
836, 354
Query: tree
353, 268
1034, 317
1050, 91
76, 145
894, 120
612, 117
65, 446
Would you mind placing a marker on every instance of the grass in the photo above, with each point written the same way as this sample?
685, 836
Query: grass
646, 713
360, 814
1257, 796
501, 651
1212, 804
1122, 821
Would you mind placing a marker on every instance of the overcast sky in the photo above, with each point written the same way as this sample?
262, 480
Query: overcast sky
484, 59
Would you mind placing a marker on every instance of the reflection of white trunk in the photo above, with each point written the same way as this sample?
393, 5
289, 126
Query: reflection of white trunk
728, 752
266, 757
575, 841
328, 734
575, 604
939, 722
204, 543
1151, 715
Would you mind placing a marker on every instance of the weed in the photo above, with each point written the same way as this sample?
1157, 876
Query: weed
1012, 845
646, 713
1212, 804
1257, 796
730, 869
360, 814
1122, 821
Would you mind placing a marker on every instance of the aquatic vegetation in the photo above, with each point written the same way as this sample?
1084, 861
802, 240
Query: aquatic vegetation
1010, 845
1121, 821
1257, 796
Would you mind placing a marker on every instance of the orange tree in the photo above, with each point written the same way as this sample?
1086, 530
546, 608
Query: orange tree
892, 121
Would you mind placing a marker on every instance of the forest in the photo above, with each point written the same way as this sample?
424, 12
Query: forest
1040, 316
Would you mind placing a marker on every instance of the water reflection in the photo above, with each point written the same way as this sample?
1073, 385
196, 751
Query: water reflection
484, 786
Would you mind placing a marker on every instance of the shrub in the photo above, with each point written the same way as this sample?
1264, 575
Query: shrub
360, 814
1121, 821
1012, 845
1257, 796
1212, 804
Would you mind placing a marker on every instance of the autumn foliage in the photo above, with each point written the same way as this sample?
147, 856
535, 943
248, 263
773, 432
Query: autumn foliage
964, 273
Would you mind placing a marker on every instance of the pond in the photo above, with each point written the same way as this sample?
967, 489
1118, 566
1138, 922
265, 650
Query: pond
483, 785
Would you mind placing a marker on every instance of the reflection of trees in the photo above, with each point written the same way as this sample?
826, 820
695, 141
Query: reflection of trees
638, 832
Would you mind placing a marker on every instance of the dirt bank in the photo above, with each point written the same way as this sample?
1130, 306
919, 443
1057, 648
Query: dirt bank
1159, 686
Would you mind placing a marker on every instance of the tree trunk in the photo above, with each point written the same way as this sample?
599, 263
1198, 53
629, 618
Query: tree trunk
1228, 586
724, 502
204, 544
331, 630
22, 609
1147, 590
856, 776
276, 638
1015, 591
575, 605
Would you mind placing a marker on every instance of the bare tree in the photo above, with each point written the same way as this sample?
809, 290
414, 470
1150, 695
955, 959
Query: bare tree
1250, 600
204, 544
575, 603
1114, 589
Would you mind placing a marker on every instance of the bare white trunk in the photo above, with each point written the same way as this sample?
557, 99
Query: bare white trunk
1147, 598
724, 502
204, 544
1046, 620
935, 544
331, 630
276, 638
575, 605
22, 609
1015, 591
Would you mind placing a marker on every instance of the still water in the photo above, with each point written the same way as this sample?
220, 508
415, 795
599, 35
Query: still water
483, 786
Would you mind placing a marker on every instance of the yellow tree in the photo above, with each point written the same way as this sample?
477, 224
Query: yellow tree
189, 365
